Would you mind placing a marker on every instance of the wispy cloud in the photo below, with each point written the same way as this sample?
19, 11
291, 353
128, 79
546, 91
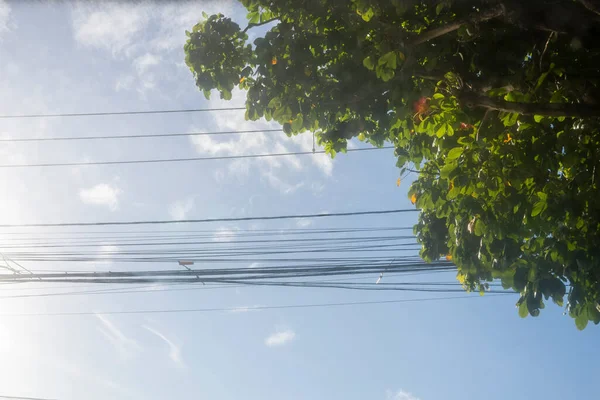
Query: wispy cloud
180, 209
225, 234
124, 345
400, 395
103, 194
279, 172
174, 350
280, 338
112, 26
304, 222
4, 16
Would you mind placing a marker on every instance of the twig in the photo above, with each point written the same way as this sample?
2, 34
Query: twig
591, 5
259, 24
474, 18
545, 48
569, 110
486, 116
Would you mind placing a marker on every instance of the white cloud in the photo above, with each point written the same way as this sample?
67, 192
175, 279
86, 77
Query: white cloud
111, 26
125, 345
304, 222
143, 63
225, 234
140, 30
174, 350
181, 208
280, 338
4, 16
400, 395
103, 194
124, 82
276, 171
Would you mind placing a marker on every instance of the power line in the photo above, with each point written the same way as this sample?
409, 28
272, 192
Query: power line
22, 398
208, 220
254, 308
66, 138
101, 114
190, 159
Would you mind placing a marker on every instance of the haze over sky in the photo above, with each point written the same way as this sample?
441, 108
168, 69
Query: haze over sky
78, 57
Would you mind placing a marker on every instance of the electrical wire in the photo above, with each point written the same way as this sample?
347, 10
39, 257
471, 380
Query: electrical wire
101, 114
140, 136
233, 219
190, 159
253, 308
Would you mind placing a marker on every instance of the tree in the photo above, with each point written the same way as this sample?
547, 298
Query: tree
494, 103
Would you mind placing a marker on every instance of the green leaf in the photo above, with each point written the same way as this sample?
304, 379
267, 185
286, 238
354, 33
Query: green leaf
538, 207
287, 128
442, 129
226, 95
253, 17
454, 153
542, 196
367, 15
438, 96
497, 92
297, 123
447, 169
538, 118
581, 320
523, 312
274, 103
368, 63
439, 8
480, 227
388, 59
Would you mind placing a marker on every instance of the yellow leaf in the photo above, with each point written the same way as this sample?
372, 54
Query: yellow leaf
461, 278
242, 79
451, 186
398, 182
449, 257
508, 138
413, 198
274, 61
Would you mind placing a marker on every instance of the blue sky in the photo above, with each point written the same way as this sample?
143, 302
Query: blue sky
79, 57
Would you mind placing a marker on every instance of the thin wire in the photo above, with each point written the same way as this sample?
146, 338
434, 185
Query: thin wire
208, 220
172, 160
65, 138
254, 308
100, 114
23, 398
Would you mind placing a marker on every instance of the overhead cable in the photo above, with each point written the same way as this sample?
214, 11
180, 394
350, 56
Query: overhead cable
207, 220
102, 114
140, 136
254, 308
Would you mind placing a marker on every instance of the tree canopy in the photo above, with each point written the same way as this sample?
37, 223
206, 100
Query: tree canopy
495, 104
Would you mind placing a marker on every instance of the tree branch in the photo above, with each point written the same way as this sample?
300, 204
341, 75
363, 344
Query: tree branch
591, 5
473, 19
259, 24
472, 100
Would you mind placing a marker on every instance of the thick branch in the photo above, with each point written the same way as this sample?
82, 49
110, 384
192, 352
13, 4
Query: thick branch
471, 100
472, 19
259, 24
